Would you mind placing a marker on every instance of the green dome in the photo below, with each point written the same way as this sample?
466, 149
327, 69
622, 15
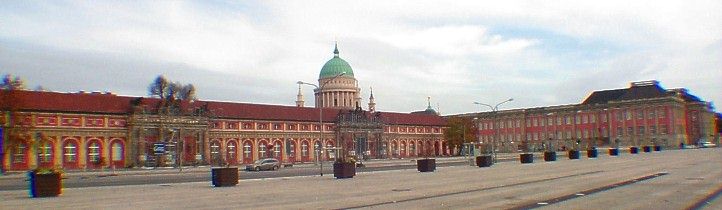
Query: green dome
335, 66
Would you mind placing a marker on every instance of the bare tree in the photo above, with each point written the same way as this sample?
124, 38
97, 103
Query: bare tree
159, 87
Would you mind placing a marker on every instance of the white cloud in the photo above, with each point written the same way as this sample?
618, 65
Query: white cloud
539, 52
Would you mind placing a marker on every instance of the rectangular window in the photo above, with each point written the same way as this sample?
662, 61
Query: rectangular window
628, 114
578, 119
592, 118
663, 129
536, 122
620, 131
640, 114
528, 123
586, 134
518, 123
662, 113
604, 132
604, 117
652, 130
640, 130
652, 114
550, 121
19, 154
45, 153
619, 115
630, 131
559, 120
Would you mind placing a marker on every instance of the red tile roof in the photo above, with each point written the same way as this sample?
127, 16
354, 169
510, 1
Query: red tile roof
71, 102
412, 119
112, 104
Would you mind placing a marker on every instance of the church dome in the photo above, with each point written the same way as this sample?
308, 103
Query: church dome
335, 66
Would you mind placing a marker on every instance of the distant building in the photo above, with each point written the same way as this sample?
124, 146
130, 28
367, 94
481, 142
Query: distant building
94, 130
642, 114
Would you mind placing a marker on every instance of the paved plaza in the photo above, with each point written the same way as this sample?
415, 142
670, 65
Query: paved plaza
675, 179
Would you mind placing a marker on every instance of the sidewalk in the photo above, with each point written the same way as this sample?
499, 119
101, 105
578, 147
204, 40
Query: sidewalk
690, 176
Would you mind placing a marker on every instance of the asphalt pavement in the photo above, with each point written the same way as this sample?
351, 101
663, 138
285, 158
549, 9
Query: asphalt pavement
676, 179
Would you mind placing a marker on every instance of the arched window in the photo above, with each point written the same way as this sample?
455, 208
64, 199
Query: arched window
317, 146
304, 149
19, 153
247, 150
117, 151
232, 149
277, 149
395, 148
94, 152
70, 152
412, 148
215, 148
291, 149
262, 149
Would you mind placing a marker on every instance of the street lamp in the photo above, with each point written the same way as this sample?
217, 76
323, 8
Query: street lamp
320, 114
494, 110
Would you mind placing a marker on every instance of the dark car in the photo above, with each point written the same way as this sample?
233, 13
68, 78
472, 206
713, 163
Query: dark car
264, 164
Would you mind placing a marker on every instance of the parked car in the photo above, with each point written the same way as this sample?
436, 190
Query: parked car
264, 164
706, 144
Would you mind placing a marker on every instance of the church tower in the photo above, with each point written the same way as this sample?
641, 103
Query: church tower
337, 87
372, 103
299, 97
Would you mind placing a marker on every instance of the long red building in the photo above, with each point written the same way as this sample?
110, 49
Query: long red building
643, 114
94, 130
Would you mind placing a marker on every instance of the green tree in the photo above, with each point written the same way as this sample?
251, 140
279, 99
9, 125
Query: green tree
461, 130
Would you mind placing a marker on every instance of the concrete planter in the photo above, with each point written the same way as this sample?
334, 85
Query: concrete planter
526, 158
657, 148
633, 150
484, 161
573, 154
426, 165
550, 156
343, 170
592, 153
224, 177
45, 184
613, 152
647, 149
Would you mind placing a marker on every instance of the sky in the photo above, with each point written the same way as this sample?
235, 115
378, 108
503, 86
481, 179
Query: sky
540, 53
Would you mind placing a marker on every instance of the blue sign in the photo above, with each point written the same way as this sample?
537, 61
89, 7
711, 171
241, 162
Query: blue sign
159, 148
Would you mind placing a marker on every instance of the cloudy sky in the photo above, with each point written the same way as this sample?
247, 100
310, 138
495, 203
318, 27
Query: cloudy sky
540, 53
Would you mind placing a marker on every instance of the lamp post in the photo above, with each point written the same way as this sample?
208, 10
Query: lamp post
320, 114
494, 110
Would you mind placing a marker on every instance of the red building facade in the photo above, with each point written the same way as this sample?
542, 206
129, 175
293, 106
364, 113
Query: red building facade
643, 114
97, 130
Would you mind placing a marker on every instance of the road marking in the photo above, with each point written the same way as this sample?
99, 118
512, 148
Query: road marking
469, 191
706, 200
587, 192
